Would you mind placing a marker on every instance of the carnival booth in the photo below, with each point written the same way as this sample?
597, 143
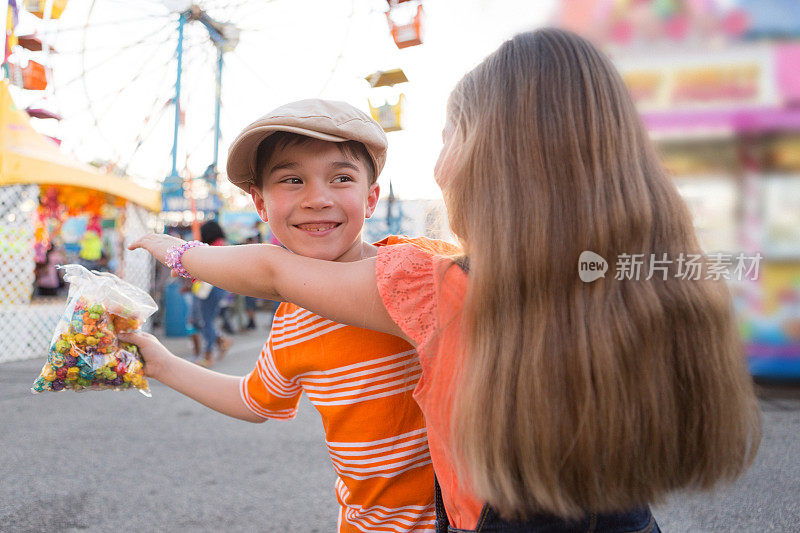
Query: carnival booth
42, 191
718, 87
730, 135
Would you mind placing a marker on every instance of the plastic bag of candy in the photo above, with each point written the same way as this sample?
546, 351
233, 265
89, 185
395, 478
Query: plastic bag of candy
85, 353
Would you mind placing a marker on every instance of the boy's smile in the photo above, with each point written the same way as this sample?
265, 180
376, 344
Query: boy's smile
318, 229
315, 198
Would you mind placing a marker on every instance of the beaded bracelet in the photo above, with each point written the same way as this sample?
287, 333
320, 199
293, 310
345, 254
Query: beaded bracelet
174, 255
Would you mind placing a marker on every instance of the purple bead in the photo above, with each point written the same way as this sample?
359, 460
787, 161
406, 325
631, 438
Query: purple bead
70, 360
118, 381
57, 384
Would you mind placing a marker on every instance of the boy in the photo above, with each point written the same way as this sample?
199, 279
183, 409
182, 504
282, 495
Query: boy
311, 168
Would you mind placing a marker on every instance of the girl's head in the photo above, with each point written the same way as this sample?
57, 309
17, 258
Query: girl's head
581, 396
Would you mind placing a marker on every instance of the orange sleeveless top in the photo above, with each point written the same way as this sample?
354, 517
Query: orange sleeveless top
424, 294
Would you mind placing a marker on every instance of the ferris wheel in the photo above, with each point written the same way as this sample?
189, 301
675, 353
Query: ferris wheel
121, 67
142, 81
156, 89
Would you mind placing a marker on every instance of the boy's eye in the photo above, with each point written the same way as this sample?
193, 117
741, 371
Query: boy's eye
291, 180
342, 179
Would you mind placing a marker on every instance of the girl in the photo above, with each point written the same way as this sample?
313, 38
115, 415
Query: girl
552, 404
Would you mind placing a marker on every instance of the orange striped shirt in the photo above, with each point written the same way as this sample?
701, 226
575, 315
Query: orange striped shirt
361, 382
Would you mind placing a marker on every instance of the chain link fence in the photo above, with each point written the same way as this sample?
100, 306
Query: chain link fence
26, 321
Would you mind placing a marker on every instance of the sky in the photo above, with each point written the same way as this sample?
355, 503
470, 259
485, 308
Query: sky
115, 71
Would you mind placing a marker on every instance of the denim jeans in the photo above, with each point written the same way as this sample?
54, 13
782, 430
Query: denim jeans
209, 308
638, 520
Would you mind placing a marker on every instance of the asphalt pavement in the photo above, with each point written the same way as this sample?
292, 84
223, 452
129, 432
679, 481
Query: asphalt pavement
110, 461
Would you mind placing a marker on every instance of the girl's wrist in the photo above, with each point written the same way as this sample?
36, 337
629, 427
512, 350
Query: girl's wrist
174, 256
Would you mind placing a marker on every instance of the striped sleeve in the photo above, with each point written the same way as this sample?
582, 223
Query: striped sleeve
266, 392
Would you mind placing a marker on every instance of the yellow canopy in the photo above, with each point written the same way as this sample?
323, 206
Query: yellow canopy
26, 158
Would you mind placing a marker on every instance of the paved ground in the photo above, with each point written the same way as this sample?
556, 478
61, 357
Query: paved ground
109, 461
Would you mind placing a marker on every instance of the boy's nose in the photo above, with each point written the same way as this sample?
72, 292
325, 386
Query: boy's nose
316, 197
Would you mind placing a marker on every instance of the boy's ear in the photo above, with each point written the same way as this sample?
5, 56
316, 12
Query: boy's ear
372, 198
258, 201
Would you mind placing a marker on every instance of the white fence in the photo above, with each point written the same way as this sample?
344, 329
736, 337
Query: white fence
26, 322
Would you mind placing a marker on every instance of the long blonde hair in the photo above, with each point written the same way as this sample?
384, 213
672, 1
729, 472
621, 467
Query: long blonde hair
576, 396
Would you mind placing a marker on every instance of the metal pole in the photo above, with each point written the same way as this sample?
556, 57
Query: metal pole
179, 52
217, 110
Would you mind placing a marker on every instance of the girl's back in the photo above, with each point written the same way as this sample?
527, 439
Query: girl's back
572, 396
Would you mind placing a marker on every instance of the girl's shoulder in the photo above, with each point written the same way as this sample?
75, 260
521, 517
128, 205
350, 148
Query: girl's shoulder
416, 285
420, 262
432, 246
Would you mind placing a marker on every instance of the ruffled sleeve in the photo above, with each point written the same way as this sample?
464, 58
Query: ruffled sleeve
407, 287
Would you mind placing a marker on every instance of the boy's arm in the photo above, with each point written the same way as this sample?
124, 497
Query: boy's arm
217, 391
342, 292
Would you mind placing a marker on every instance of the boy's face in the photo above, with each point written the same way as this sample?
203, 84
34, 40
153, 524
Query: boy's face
315, 199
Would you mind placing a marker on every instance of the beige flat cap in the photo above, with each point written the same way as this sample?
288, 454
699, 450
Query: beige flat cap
327, 120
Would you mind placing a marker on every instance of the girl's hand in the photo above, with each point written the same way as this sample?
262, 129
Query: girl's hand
154, 353
157, 244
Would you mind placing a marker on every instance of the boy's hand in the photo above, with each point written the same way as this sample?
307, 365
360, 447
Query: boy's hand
157, 244
153, 352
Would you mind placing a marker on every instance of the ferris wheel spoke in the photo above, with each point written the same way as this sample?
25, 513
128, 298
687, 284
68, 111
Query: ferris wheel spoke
95, 99
125, 88
251, 11
152, 4
158, 110
147, 128
129, 83
116, 52
230, 4
110, 23
335, 66
202, 140
252, 70
106, 61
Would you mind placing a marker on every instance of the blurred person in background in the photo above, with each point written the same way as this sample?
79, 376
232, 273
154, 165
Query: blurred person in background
210, 300
250, 303
48, 278
91, 250
194, 321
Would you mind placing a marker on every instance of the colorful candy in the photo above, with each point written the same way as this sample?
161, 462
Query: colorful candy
123, 325
48, 373
88, 356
